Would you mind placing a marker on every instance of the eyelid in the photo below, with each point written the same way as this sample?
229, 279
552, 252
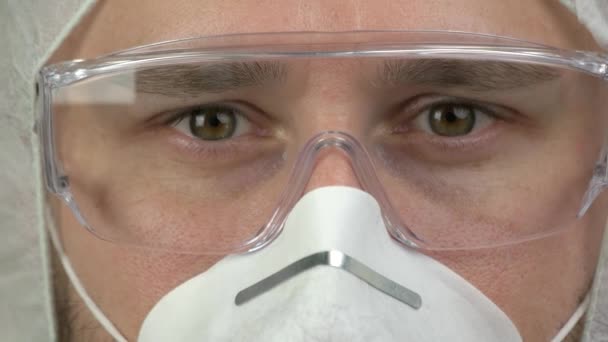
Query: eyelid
415, 106
176, 113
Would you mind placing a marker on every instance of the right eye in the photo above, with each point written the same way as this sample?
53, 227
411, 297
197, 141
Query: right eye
209, 123
453, 119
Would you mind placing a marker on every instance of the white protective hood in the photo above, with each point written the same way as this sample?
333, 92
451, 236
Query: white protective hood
594, 14
30, 31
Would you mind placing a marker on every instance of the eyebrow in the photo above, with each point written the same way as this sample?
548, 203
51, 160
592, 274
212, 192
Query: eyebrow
192, 80
474, 75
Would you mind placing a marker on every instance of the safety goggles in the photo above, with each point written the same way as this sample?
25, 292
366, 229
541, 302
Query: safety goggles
204, 145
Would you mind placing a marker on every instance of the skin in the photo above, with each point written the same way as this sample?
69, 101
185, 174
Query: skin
538, 284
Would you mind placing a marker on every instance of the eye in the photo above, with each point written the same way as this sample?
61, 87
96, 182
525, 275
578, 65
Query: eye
217, 122
452, 119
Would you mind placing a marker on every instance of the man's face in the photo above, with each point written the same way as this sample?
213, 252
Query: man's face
537, 284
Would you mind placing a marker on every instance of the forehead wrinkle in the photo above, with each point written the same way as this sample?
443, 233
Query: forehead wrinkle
474, 75
192, 80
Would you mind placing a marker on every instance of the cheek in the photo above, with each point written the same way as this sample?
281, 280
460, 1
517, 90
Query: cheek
538, 284
124, 281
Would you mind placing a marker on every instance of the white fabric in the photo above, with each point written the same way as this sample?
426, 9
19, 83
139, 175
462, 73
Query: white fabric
596, 321
29, 31
325, 303
594, 14
571, 323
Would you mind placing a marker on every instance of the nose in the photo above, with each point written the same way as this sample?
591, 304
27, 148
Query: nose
333, 167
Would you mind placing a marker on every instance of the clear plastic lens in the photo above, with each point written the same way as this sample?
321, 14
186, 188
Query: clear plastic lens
209, 157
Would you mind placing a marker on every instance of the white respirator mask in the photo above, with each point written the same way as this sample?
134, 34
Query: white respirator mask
333, 274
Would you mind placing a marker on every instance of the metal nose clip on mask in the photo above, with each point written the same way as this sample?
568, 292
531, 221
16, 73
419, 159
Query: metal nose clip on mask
333, 274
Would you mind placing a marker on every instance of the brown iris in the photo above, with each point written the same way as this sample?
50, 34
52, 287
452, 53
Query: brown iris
212, 123
452, 120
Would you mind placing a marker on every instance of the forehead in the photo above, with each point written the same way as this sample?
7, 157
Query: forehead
120, 24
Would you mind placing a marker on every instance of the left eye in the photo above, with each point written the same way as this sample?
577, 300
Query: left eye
452, 119
212, 123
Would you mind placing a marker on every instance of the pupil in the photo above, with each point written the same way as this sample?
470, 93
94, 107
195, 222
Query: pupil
451, 117
214, 121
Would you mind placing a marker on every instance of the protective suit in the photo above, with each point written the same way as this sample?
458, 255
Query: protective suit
34, 29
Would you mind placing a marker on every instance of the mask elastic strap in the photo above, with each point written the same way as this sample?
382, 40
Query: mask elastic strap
576, 316
95, 310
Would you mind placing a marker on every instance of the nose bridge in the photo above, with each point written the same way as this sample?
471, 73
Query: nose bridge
332, 167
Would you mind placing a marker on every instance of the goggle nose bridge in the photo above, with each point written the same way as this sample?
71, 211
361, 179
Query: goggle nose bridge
301, 173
